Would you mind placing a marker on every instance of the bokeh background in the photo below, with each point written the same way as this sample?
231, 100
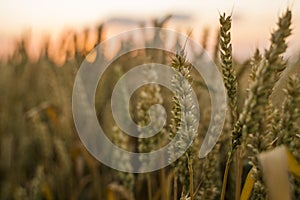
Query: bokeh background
253, 20
42, 44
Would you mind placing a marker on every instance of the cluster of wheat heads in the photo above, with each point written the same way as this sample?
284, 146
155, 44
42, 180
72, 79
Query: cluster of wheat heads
259, 126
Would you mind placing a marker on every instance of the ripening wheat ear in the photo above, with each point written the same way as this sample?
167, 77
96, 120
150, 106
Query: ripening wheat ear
210, 176
149, 96
251, 124
289, 120
183, 120
254, 62
127, 179
230, 81
226, 64
266, 75
288, 126
122, 140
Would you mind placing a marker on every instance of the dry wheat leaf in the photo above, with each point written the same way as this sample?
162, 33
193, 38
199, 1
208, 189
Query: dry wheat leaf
275, 173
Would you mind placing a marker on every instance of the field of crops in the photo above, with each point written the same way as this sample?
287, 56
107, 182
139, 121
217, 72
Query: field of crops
42, 157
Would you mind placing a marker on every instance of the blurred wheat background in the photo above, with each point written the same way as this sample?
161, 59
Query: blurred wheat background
41, 155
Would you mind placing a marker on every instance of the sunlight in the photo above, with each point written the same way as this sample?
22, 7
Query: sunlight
251, 18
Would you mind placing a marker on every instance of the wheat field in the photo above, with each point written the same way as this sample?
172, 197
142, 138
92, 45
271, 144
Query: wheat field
42, 156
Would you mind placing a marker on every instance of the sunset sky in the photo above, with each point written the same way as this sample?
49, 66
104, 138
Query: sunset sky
253, 20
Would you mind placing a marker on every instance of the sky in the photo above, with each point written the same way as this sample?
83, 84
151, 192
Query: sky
253, 20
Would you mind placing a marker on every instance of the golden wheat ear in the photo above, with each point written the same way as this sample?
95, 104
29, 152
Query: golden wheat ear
256, 135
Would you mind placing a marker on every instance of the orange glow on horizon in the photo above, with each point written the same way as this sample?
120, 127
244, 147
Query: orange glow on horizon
253, 20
